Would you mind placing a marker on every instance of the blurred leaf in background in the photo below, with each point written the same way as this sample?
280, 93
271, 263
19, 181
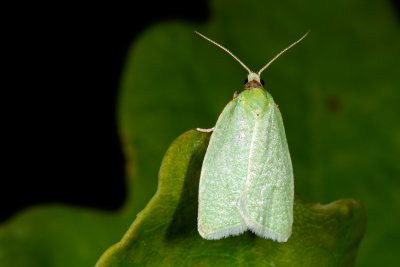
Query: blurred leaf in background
338, 93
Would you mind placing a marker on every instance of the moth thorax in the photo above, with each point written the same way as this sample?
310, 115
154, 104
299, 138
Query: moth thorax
253, 81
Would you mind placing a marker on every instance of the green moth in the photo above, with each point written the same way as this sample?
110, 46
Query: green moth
246, 181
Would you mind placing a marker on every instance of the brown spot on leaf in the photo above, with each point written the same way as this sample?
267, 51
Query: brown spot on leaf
333, 104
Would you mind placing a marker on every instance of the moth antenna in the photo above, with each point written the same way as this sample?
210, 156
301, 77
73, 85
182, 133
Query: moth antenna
280, 53
226, 50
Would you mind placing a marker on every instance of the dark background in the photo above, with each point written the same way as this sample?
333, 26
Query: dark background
63, 64
60, 142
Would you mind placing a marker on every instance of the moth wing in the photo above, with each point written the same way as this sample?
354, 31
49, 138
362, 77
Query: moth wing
223, 175
266, 204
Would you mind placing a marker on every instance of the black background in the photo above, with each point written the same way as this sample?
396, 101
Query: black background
63, 64
62, 68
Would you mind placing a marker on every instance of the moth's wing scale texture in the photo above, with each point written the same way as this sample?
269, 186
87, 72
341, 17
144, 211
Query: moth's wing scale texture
247, 178
223, 174
266, 203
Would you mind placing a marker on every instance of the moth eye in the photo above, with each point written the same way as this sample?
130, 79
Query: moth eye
246, 81
262, 82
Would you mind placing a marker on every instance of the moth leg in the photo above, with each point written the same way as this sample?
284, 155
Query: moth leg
235, 94
205, 130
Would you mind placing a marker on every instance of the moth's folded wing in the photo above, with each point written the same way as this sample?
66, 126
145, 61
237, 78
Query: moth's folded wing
222, 177
267, 203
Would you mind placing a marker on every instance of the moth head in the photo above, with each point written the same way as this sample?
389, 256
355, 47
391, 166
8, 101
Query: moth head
253, 81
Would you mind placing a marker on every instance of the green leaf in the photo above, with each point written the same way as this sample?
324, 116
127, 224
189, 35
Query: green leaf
338, 92
165, 232
55, 235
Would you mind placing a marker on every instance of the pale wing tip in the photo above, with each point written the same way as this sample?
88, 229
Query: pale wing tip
261, 231
270, 235
216, 235
266, 233
223, 233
